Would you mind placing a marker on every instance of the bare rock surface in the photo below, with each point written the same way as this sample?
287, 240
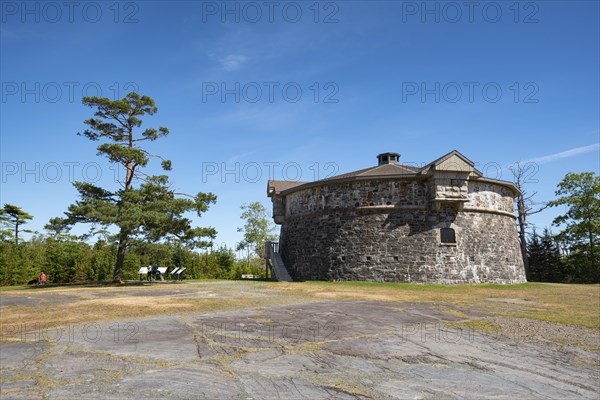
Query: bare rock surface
309, 350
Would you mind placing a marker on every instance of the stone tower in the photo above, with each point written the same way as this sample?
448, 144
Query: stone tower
442, 223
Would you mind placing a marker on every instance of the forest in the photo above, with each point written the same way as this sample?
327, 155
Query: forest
66, 259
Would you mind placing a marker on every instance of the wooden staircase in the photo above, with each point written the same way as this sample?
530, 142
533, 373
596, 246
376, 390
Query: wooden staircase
274, 262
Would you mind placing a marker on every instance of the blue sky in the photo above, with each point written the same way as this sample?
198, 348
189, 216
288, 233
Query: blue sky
252, 90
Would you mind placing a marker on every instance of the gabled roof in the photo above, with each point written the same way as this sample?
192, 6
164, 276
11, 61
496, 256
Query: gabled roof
447, 157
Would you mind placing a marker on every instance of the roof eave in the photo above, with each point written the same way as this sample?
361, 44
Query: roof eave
343, 180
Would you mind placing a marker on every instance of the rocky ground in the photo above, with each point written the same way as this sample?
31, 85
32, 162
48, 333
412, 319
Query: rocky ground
303, 348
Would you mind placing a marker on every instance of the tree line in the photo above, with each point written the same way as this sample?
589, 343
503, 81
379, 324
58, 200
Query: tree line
152, 224
573, 254
150, 217
67, 259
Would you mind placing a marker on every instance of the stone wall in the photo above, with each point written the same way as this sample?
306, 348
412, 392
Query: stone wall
415, 193
490, 196
450, 185
358, 194
386, 230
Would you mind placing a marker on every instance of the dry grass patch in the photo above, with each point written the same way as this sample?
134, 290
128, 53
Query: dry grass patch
82, 311
563, 303
577, 305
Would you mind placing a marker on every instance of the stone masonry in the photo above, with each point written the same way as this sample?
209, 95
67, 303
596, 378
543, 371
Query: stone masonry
385, 224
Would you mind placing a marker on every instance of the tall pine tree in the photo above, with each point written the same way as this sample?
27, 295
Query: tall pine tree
143, 207
15, 217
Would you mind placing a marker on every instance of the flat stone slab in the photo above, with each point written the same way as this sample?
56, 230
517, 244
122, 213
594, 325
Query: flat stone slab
35, 299
326, 349
16, 356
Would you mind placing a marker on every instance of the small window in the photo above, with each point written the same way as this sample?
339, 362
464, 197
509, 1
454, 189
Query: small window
447, 235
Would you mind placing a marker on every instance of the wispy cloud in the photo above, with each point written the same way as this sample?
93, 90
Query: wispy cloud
565, 154
241, 156
232, 62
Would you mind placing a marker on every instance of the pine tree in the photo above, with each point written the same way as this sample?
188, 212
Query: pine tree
544, 258
143, 207
580, 193
14, 216
534, 254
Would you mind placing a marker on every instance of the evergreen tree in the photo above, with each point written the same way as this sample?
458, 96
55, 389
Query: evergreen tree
544, 258
580, 193
103, 260
225, 259
14, 216
144, 207
534, 255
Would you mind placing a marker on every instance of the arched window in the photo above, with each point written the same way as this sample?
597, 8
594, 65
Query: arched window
447, 235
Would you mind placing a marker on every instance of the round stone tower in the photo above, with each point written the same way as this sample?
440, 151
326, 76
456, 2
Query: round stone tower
443, 223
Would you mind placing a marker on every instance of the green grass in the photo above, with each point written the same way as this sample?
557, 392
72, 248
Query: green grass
425, 287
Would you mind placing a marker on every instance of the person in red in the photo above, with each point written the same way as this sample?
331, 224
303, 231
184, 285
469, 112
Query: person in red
42, 278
